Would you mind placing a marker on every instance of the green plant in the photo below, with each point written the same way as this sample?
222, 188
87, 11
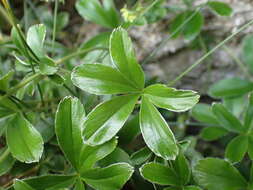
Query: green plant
88, 117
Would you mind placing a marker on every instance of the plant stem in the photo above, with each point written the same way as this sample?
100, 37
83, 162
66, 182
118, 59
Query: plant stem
78, 53
5, 15
25, 16
201, 59
28, 172
70, 90
238, 61
166, 39
4, 155
55, 22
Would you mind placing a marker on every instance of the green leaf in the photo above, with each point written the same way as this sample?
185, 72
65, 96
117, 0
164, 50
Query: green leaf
247, 48
230, 87
62, 21
123, 57
194, 26
129, 131
47, 66
221, 8
103, 123
156, 132
24, 141
140, 156
117, 156
104, 15
192, 187
190, 29
100, 40
6, 161
250, 145
216, 174
100, 79
36, 35
182, 168
236, 105
18, 41
170, 98
5, 112
7, 107
112, 177
213, 133
91, 154
21, 185
172, 188
248, 119
69, 118
57, 79
50, 182
203, 113
226, 119
45, 127
79, 185
237, 148
159, 174
5, 81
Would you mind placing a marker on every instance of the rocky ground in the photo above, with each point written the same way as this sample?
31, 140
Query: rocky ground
175, 55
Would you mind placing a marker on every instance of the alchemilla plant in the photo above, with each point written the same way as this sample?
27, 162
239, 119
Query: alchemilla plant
89, 117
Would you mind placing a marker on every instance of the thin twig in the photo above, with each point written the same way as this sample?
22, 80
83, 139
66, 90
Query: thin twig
201, 59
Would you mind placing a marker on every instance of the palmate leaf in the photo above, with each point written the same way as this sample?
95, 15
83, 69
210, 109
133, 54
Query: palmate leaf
24, 141
6, 161
103, 123
49, 182
221, 8
213, 133
190, 29
70, 116
100, 79
226, 119
103, 14
68, 125
112, 177
156, 132
237, 148
230, 87
216, 174
36, 35
159, 174
170, 98
21, 185
203, 113
123, 57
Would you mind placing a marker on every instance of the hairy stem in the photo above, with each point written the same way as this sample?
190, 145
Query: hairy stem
79, 53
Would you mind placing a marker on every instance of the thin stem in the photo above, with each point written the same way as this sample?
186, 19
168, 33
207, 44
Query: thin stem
78, 53
4, 155
70, 90
55, 22
201, 59
20, 101
238, 61
25, 15
166, 39
5, 15
28, 172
